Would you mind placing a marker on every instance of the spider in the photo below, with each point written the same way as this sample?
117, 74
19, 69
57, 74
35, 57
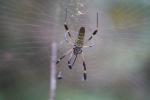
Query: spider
78, 45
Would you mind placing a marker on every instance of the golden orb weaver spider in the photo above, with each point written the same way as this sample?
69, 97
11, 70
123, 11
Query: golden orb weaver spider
78, 44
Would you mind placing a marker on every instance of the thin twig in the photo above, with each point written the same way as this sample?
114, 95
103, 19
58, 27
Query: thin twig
53, 80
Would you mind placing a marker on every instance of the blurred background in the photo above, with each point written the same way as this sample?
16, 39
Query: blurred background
118, 66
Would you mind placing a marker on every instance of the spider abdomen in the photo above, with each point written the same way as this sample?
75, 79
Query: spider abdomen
79, 42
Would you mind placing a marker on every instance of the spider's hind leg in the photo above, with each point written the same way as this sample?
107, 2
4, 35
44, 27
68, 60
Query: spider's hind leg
84, 68
59, 75
69, 61
69, 51
72, 61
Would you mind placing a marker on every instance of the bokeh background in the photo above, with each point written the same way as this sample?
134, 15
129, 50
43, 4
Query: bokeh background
118, 66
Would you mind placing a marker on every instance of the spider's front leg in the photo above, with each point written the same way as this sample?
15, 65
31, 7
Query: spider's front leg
70, 41
67, 32
94, 33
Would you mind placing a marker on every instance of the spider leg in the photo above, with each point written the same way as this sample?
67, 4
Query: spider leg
69, 61
95, 32
69, 51
88, 46
84, 67
59, 75
74, 60
97, 20
71, 41
67, 40
67, 33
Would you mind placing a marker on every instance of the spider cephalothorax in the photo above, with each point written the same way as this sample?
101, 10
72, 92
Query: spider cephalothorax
76, 50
